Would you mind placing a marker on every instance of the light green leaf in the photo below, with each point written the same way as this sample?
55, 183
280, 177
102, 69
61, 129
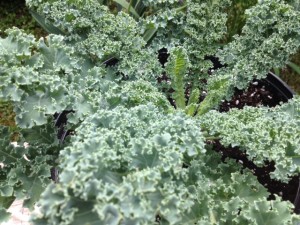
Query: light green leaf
46, 25
5, 202
127, 6
177, 68
149, 33
294, 66
4, 216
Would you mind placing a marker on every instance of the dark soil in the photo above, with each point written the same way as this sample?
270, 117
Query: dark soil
259, 93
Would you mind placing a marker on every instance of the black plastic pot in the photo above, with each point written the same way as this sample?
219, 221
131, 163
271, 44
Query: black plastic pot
60, 120
270, 91
280, 86
297, 200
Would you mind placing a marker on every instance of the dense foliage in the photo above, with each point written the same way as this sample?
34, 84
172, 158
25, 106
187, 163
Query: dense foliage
139, 149
16, 14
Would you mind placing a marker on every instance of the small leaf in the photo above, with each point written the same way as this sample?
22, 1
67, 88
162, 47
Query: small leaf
6, 202
295, 67
191, 109
277, 71
4, 216
149, 33
126, 6
177, 68
193, 102
194, 97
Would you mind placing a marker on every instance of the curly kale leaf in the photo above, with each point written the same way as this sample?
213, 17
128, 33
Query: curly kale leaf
134, 93
101, 36
198, 26
264, 134
137, 165
26, 170
134, 155
268, 38
46, 76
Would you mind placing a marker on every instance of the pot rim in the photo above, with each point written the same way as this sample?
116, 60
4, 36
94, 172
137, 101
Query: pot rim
280, 85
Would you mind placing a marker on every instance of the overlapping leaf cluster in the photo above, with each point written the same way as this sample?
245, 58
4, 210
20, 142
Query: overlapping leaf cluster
133, 158
101, 36
44, 77
268, 38
38, 76
270, 33
25, 170
138, 166
266, 135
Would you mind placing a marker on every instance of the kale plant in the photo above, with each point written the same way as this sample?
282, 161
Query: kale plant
139, 148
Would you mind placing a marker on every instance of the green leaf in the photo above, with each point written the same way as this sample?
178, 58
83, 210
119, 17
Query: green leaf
294, 66
127, 6
277, 71
55, 56
23, 179
262, 133
4, 216
218, 90
46, 26
8, 153
194, 96
191, 109
149, 33
177, 68
5, 202
34, 188
193, 105
263, 212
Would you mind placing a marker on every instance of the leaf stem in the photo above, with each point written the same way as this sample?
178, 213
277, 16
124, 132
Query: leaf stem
129, 6
211, 138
